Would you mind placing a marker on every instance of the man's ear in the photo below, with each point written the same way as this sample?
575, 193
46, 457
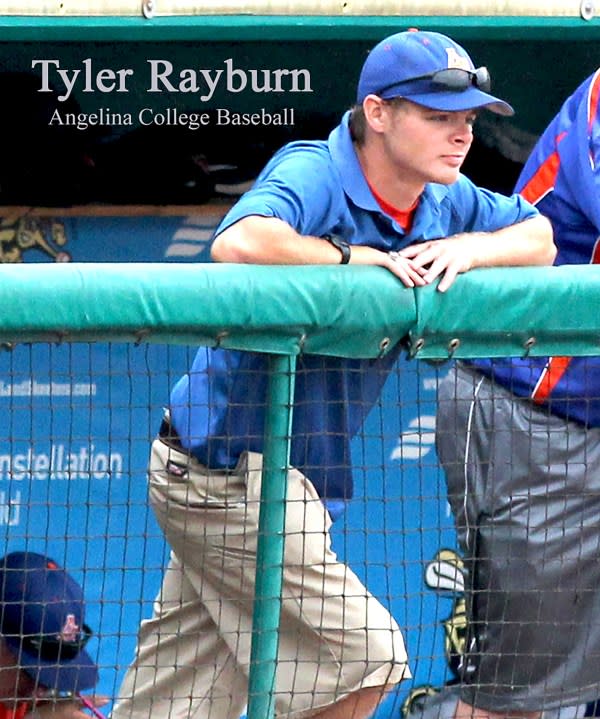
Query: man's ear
375, 111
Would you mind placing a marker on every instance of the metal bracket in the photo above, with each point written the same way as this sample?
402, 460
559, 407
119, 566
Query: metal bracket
148, 8
587, 9
528, 345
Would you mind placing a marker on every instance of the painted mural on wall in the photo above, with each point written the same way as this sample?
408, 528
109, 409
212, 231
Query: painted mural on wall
21, 234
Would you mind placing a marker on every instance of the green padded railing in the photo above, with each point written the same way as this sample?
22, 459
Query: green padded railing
345, 311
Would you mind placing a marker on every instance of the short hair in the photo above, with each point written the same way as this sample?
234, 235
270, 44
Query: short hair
358, 122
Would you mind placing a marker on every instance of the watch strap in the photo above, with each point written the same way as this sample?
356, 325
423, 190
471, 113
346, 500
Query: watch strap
340, 244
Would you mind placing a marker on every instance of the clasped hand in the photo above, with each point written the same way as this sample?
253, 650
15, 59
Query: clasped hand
423, 262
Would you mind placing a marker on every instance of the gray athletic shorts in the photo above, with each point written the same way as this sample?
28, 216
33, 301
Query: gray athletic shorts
524, 487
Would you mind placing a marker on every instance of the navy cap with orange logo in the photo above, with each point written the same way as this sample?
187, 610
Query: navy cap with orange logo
42, 620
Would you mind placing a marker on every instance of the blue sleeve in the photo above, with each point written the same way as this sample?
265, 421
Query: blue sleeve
300, 185
563, 171
579, 152
481, 210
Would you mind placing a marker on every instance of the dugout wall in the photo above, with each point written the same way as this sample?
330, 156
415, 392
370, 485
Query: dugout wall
79, 418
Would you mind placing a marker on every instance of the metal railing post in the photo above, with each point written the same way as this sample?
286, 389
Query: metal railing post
271, 539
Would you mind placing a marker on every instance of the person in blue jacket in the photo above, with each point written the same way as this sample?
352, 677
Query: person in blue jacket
385, 189
520, 443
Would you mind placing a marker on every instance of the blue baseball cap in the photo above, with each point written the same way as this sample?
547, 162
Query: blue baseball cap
42, 622
430, 69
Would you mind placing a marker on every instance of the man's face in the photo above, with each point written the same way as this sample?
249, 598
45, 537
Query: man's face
14, 682
426, 145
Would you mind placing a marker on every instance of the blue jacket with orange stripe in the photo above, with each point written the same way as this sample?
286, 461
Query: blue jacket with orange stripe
562, 178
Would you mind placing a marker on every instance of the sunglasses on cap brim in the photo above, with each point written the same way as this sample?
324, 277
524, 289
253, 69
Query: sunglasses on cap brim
454, 79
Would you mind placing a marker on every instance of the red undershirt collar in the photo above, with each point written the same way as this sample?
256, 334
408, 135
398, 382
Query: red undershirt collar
403, 217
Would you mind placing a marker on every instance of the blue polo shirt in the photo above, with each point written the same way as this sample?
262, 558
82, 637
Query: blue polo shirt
318, 187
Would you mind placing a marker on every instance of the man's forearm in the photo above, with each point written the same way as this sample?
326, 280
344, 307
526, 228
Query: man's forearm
527, 243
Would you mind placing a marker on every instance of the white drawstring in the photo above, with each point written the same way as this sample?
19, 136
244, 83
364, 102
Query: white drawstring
467, 449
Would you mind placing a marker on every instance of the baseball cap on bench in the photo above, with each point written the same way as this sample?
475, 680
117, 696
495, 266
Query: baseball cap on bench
429, 69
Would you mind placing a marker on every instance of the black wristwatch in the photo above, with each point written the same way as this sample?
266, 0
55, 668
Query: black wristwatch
341, 245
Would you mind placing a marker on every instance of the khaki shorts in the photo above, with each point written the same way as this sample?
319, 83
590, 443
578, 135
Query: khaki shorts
193, 655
